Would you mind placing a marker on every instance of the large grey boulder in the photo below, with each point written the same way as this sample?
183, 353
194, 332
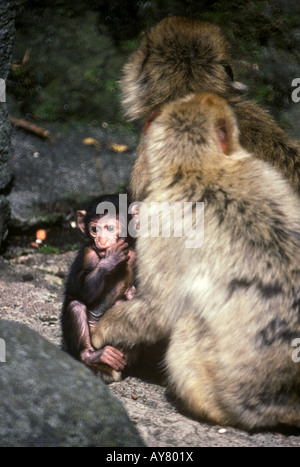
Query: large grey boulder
4, 217
7, 37
49, 399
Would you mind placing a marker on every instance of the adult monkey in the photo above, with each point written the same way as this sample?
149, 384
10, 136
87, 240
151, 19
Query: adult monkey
230, 308
181, 56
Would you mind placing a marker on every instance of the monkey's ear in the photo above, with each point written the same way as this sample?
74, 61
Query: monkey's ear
150, 119
80, 220
222, 134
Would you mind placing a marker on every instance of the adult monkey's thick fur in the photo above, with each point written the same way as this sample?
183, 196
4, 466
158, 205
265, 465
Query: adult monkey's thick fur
180, 56
231, 309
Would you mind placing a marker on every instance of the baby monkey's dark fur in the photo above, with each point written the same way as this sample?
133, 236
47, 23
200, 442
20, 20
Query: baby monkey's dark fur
100, 276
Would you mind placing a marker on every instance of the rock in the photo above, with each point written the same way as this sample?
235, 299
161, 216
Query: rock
4, 217
49, 399
7, 36
48, 178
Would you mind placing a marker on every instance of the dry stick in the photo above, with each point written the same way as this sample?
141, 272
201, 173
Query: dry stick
19, 123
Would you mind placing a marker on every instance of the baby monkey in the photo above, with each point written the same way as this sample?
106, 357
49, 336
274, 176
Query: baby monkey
100, 277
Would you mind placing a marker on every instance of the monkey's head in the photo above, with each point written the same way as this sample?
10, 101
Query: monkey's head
104, 222
175, 58
197, 134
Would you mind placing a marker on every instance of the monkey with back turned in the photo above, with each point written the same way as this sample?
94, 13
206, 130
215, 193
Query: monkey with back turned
231, 307
100, 276
180, 56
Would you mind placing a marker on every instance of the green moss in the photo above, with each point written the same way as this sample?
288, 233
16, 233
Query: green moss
49, 250
129, 45
75, 62
72, 68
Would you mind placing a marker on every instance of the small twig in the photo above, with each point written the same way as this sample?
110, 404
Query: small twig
37, 130
26, 56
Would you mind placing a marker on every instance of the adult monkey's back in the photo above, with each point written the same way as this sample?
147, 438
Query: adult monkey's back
178, 57
228, 306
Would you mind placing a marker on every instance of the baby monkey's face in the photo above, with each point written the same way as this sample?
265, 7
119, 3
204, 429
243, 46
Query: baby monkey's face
105, 232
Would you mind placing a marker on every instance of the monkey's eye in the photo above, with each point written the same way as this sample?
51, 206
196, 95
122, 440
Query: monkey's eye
94, 229
111, 228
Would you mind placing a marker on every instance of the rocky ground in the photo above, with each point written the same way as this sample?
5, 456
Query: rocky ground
31, 289
31, 283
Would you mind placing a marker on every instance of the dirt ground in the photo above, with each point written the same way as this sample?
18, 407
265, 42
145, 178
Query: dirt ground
31, 291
